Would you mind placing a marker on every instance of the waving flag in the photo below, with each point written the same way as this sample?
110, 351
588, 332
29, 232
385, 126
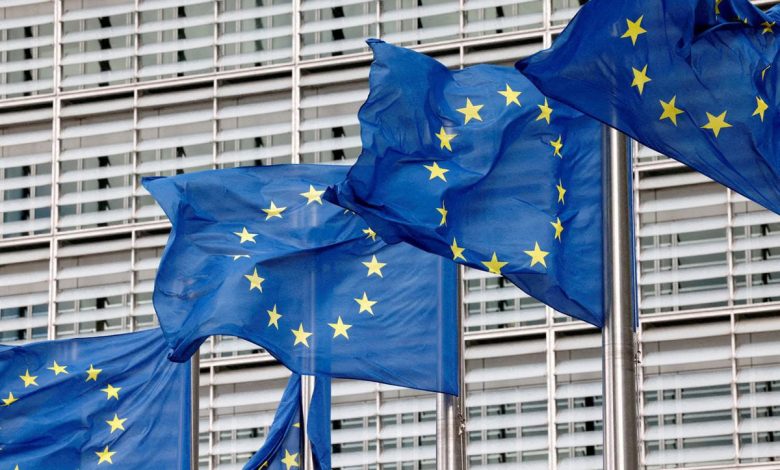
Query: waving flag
257, 253
81, 403
478, 166
694, 79
283, 448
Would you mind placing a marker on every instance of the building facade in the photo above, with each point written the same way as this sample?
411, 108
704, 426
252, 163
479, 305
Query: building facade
96, 94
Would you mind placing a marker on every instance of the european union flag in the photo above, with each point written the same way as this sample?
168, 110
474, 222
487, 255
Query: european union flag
283, 448
256, 253
478, 166
693, 79
80, 403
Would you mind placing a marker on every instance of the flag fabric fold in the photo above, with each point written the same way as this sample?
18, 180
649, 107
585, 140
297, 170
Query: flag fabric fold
318, 422
80, 403
257, 253
693, 79
478, 166
283, 447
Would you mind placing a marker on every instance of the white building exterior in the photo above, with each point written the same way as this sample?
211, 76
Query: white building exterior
95, 94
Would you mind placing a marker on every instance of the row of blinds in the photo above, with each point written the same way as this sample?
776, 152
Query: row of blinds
26, 47
26, 171
711, 391
701, 245
111, 42
99, 286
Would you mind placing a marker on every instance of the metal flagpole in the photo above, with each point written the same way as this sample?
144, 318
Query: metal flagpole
450, 411
194, 409
620, 399
307, 389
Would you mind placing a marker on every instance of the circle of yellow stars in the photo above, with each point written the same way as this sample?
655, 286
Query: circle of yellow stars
437, 171
92, 375
302, 337
717, 119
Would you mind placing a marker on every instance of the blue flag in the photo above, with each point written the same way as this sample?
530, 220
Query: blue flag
478, 166
257, 253
693, 79
81, 403
283, 447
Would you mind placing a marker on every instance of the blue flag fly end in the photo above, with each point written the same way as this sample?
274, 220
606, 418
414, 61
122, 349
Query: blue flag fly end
693, 79
257, 253
479, 167
80, 403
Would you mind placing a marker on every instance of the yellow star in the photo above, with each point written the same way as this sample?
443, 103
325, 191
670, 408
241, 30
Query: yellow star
274, 211
370, 233
763, 72
92, 373
457, 251
557, 145
105, 456
297, 425
28, 379
545, 112
443, 211
273, 317
537, 255
365, 304
558, 228
111, 392
561, 192
670, 110
58, 369
436, 171
717, 6
116, 423
340, 328
16, 467
236, 257
11, 399
761, 107
470, 111
445, 139
716, 123
374, 266
767, 27
494, 265
634, 29
290, 460
640, 78
255, 281
301, 337
246, 236
511, 95
312, 195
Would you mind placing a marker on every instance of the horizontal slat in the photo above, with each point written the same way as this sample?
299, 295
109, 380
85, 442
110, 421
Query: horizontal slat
683, 380
23, 300
682, 456
104, 10
25, 160
686, 356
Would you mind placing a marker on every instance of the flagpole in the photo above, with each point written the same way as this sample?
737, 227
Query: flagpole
450, 411
619, 362
307, 389
194, 409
